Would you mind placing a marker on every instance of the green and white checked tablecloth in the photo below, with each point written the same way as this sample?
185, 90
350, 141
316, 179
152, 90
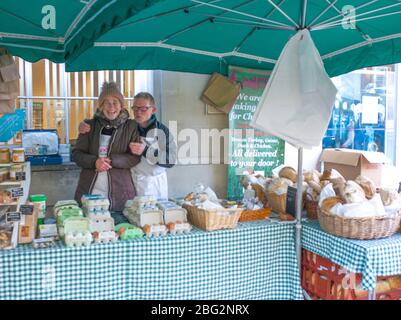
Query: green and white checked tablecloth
372, 258
257, 260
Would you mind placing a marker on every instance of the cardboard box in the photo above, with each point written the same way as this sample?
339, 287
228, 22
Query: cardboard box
352, 163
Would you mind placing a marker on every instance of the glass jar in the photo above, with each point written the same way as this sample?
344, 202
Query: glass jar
14, 170
5, 155
19, 155
4, 174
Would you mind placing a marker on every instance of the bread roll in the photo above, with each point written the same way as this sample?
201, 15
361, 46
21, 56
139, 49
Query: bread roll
329, 174
382, 286
285, 217
388, 196
313, 175
353, 193
394, 282
279, 185
330, 202
288, 173
367, 185
315, 186
338, 185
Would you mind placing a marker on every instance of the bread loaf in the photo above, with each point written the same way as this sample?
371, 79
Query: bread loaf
394, 282
313, 175
388, 196
330, 202
279, 185
288, 173
329, 174
353, 193
367, 185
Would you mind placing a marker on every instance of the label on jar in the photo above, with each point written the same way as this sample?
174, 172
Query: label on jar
18, 156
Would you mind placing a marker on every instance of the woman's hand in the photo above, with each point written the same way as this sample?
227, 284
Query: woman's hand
137, 148
103, 164
84, 128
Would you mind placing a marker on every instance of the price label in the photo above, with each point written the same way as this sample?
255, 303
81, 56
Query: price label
17, 192
20, 176
291, 202
26, 209
13, 216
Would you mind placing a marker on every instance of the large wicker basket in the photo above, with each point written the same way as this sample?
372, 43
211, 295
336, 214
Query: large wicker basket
213, 219
250, 215
359, 228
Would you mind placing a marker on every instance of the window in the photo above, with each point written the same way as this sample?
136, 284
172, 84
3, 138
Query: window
364, 114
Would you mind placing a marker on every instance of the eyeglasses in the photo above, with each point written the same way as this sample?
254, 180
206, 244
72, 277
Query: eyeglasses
143, 109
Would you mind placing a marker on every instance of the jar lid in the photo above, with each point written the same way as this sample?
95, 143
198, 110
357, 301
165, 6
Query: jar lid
19, 149
37, 197
4, 149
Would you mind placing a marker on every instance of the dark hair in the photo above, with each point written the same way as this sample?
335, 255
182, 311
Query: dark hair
146, 96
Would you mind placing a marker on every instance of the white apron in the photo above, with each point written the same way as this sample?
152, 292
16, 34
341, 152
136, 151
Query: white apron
150, 179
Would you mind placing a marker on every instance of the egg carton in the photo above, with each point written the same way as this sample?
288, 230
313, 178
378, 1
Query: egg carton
155, 230
97, 214
57, 210
179, 227
101, 225
104, 237
64, 203
140, 219
77, 239
44, 242
64, 214
144, 202
128, 231
77, 231
96, 205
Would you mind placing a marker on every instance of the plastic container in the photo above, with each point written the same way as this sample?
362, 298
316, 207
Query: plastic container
41, 200
128, 231
43, 242
5, 155
18, 155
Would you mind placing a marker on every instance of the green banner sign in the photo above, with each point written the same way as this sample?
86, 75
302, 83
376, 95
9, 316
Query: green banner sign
250, 149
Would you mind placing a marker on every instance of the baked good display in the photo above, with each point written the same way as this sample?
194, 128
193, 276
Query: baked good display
279, 185
329, 174
367, 185
288, 173
312, 175
353, 193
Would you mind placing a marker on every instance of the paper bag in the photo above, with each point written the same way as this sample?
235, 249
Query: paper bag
221, 93
297, 101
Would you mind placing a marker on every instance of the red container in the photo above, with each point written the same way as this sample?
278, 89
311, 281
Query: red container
324, 280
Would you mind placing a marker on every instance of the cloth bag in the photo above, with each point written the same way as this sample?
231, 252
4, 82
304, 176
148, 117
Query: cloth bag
8, 83
297, 102
221, 92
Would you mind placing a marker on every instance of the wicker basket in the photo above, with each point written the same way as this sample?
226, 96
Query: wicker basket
213, 219
250, 215
359, 228
311, 207
277, 202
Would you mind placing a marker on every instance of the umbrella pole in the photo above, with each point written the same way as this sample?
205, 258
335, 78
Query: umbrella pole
299, 209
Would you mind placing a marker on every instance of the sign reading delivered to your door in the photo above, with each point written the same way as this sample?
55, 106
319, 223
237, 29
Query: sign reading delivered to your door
250, 149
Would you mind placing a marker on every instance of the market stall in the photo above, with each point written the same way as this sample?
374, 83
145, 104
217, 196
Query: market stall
254, 261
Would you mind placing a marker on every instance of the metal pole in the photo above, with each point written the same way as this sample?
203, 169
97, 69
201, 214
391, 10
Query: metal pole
298, 225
